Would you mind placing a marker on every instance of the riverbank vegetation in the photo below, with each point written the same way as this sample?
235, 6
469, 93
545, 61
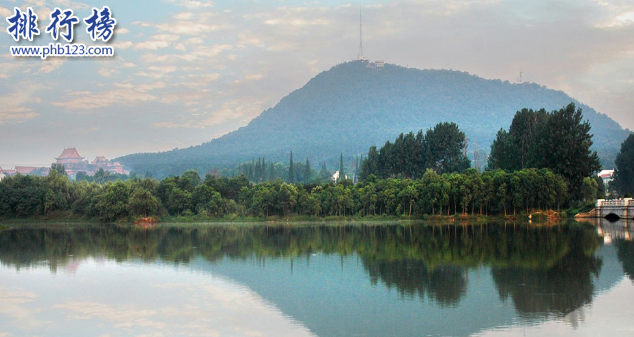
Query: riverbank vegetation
471, 192
544, 162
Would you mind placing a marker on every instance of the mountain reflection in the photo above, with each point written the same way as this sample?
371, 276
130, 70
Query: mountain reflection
544, 270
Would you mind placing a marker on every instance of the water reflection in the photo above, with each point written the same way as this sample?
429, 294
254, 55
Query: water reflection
543, 270
445, 285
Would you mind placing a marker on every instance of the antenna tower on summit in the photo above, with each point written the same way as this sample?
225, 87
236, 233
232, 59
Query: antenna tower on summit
360, 57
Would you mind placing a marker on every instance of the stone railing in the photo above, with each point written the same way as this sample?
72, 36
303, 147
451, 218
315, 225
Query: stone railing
615, 202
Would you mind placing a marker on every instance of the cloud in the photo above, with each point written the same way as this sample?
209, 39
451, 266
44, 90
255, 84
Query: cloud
194, 41
157, 72
13, 107
191, 4
121, 316
5, 12
152, 45
15, 306
620, 20
158, 41
231, 110
50, 64
122, 45
95, 100
107, 72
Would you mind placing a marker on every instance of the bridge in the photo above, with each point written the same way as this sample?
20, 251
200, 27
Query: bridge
621, 208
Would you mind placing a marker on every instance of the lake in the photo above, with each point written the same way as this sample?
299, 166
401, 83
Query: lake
318, 279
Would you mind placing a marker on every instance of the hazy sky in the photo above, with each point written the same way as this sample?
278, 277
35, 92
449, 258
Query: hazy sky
187, 71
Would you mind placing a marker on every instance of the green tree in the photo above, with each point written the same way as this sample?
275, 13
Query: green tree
113, 204
564, 143
142, 203
179, 201
59, 168
624, 175
291, 170
307, 171
342, 174
287, 198
503, 153
446, 148
589, 189
189, 180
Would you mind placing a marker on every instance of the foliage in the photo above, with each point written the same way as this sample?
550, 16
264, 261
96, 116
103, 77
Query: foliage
624, 175
442, 148
560, 141
491, 192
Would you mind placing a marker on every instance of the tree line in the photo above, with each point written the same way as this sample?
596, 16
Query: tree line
470, 192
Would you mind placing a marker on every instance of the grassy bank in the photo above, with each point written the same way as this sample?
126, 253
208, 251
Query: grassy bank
67, 218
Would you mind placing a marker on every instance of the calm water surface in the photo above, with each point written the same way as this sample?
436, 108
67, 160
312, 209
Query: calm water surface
377, 279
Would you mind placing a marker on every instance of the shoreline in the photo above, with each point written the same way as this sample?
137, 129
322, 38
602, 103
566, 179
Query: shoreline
238, 221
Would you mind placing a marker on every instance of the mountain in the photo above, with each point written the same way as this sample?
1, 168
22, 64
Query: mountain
352, 106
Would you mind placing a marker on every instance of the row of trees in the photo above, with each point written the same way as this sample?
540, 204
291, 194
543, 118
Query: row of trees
296, 172
471, 192
442, 149
559, 140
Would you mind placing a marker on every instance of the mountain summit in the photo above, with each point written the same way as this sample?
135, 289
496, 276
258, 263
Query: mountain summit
353, 106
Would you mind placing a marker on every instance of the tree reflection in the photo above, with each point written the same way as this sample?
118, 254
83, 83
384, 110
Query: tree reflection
445, 285
625, 251
544, 269
556, 290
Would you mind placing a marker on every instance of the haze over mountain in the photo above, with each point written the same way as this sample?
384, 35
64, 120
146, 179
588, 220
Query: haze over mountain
352, 106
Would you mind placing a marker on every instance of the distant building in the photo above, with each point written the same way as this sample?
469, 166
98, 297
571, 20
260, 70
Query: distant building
607, 176
74, 163
2, 175
70, 156
32, 170
107, 165
25, 170
335, 177
7, 172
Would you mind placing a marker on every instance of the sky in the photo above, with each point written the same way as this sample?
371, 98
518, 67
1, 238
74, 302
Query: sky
187, 71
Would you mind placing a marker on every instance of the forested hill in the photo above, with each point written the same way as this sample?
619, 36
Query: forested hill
351, 107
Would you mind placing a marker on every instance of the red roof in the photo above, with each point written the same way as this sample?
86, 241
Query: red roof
70, 153
24, 169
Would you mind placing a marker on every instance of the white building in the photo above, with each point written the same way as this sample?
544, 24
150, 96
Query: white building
607, 176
